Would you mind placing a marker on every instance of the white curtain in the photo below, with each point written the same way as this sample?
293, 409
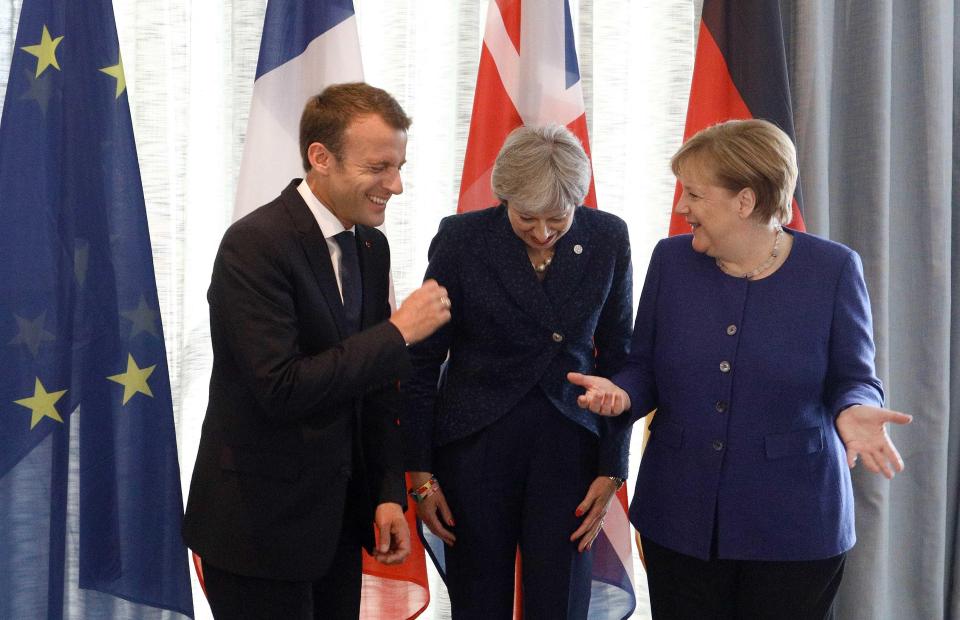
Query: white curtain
190, 67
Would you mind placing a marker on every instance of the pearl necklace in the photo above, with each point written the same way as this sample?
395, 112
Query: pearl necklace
540, 268
760, 268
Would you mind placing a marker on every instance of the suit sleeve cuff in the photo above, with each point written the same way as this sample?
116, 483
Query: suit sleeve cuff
614, 453
393, 489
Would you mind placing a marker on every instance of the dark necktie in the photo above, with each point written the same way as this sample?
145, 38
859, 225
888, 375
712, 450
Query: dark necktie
350, 281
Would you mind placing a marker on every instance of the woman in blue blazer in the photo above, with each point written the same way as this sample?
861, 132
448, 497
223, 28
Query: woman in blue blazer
499, 452
755, 346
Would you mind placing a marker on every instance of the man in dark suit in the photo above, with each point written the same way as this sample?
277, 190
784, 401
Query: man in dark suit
299, 453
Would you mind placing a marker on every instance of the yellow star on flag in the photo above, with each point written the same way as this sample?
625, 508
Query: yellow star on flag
116, 71
41, 404
134, 380
45, 51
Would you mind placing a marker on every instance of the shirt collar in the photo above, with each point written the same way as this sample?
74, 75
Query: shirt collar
329, 224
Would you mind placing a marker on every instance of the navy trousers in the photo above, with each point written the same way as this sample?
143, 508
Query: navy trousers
517, 483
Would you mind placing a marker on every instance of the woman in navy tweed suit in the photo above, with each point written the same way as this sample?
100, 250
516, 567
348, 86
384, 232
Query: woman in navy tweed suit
755, 346
500, 454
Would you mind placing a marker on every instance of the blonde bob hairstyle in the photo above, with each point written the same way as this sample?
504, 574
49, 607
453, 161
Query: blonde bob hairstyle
748, 153
540, 169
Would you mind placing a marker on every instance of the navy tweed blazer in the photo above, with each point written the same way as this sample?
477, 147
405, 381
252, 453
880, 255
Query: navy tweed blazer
511, 333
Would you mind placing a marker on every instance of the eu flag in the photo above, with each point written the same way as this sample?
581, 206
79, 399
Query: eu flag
90, 502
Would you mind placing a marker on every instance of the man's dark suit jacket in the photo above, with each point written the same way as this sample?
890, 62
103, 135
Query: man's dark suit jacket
300, 413
511, 334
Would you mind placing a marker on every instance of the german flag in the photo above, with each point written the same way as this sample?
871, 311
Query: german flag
740, 72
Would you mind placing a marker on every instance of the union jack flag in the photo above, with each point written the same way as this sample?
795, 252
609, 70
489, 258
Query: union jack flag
531, 84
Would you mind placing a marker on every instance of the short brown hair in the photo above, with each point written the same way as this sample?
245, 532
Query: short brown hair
326, 116
747, 153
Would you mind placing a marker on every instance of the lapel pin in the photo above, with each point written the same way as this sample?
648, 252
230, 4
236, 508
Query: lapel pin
368, 244
578, 249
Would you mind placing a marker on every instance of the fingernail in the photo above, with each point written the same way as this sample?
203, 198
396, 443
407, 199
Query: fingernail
578, 512
452, 523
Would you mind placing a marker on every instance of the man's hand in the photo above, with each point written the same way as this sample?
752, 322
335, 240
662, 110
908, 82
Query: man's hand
423, 312
393, 535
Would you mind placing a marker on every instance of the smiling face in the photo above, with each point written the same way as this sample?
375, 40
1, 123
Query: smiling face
357, 185
540, 231
716, 214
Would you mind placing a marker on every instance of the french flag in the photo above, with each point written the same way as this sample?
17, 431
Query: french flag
529, 75
740, 72
306, 46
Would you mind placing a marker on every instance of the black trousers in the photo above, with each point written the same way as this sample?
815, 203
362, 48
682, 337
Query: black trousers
517, 483
684, 587
335, 596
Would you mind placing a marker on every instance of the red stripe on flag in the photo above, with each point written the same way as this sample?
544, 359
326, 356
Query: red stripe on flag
579, 129
714, 98
493, 118
510, 12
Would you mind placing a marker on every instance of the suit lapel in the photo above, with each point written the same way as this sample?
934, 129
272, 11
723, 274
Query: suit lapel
318, 256
506, 255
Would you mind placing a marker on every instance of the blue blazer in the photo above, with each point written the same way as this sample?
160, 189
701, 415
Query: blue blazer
747, 379
511, 333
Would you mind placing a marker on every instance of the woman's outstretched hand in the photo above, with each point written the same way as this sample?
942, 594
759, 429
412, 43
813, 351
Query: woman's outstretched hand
602, 396
863, 429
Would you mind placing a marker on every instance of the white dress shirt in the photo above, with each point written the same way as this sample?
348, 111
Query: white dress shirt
329, 226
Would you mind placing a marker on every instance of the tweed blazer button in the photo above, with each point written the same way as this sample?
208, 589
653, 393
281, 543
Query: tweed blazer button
724, 366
